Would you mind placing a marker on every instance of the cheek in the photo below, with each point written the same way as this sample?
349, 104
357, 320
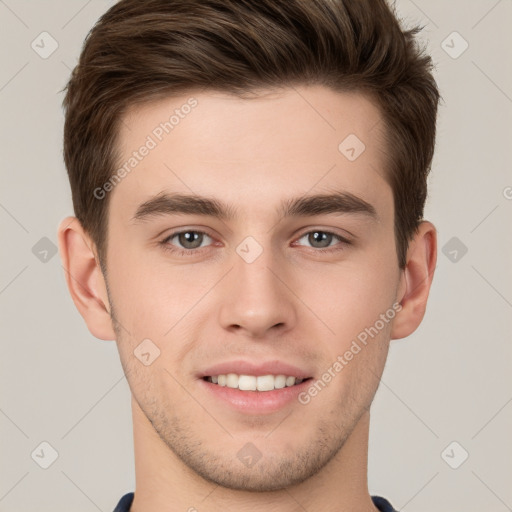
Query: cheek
156, 300
351, 296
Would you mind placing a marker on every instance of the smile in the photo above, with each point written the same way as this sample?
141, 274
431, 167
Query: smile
254, 383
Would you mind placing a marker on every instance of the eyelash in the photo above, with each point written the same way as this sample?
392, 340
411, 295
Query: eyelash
191, 252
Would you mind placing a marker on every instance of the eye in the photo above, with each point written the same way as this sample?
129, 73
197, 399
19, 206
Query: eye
322, 239
187, 240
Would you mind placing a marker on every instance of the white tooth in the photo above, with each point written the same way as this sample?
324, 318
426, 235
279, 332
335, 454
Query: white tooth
279, 381
253, 383
265, 383
247, 383
290, 381
232, 380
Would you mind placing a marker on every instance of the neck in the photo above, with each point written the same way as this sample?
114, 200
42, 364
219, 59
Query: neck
164, 482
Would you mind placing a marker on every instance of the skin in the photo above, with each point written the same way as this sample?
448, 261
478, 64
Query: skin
295, 302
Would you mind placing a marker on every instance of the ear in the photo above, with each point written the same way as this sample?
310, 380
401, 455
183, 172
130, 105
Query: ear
84, 278
416, 280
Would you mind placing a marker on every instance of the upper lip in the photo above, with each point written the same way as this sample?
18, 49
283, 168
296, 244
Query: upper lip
240, 367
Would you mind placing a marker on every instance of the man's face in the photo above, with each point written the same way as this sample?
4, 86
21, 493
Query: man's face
257, 287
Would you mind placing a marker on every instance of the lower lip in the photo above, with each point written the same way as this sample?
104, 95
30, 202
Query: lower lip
256, 402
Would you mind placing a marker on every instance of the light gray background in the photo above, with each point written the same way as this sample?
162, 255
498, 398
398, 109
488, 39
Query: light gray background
449, 381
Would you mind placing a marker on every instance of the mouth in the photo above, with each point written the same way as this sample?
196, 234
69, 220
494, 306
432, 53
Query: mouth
259, 383
255, 387
254, 394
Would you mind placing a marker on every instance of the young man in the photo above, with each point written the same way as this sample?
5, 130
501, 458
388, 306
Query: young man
248, 179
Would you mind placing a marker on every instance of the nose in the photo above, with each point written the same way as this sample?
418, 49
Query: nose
257, 297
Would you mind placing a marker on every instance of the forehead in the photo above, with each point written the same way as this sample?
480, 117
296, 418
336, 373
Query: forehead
252, 152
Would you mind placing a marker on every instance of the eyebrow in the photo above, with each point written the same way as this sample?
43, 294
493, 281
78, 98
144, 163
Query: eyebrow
319, 204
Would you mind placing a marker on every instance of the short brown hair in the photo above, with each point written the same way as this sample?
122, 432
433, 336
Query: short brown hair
142, 50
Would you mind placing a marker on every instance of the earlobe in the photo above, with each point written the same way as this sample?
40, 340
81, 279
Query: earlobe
416, 280
84, 278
